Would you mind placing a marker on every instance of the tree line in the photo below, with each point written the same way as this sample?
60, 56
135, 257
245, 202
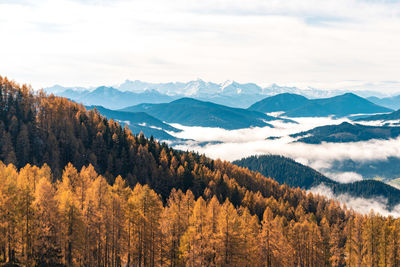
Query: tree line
81, 220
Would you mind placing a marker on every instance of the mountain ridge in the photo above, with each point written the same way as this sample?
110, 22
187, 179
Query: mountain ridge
294, 105
287, 171
346, 132
139, 122
229, 93
192, 112
395, 115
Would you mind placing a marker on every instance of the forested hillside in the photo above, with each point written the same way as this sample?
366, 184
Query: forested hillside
395, 115
193, 112
346, 132
84, 221
126, 199
284, 170
139, 122
338, 106
280, 102
287, 171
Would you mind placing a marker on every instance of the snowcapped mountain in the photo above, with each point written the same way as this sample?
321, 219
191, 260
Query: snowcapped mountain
195, 88
57, 89
234, 88
228, 93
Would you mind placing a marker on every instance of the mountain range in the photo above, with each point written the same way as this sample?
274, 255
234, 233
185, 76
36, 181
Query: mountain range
139, 122
79, 189
392, 102
65, 132
192, 112
229, 93
280, 102
294, 105
112, 98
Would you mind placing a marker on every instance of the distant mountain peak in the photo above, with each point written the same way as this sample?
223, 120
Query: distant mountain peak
187, 100
227, 83
105, 89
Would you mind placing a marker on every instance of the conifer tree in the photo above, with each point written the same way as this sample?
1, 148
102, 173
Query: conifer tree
71, 220
47, 244
371, 236
229, 242
194, 242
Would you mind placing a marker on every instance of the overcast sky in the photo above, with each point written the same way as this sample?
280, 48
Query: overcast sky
318, 43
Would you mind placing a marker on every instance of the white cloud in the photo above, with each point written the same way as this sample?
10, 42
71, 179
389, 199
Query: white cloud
361, 205
241, 143
236, 144
291, 42
344, 177
204, 134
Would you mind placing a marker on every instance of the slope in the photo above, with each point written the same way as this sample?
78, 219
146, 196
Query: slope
338, 106
287, 171
113, 98
395, 115
39, 129
392, 102
346, 132
97, 220
280, 102
192, 112
139, 122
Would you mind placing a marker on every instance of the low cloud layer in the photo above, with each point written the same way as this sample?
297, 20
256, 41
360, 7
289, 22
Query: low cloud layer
241, 143
361, 205
344, 177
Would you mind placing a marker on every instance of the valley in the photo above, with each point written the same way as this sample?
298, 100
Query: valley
326, 134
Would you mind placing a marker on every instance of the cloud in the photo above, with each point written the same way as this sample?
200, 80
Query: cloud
361, 205
344, 177
237, 144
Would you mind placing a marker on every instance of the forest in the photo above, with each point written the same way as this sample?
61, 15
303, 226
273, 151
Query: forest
77, 189
82, 220
287, 171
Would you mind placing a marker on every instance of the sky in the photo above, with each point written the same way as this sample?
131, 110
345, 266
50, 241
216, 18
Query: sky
326, 44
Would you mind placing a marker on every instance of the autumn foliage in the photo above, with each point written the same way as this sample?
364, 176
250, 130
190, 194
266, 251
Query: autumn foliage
76, 189
82, 220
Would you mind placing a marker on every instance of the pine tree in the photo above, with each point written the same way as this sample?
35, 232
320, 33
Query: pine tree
250, 229
394, 247
23, 148
213, 209
195, 240
371, 236
9, 215
176, 220
47, 245
147, 205
337, 245
99, 221
71, 219
8, 153
119, 199
229, 243
27, 180
384, 242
